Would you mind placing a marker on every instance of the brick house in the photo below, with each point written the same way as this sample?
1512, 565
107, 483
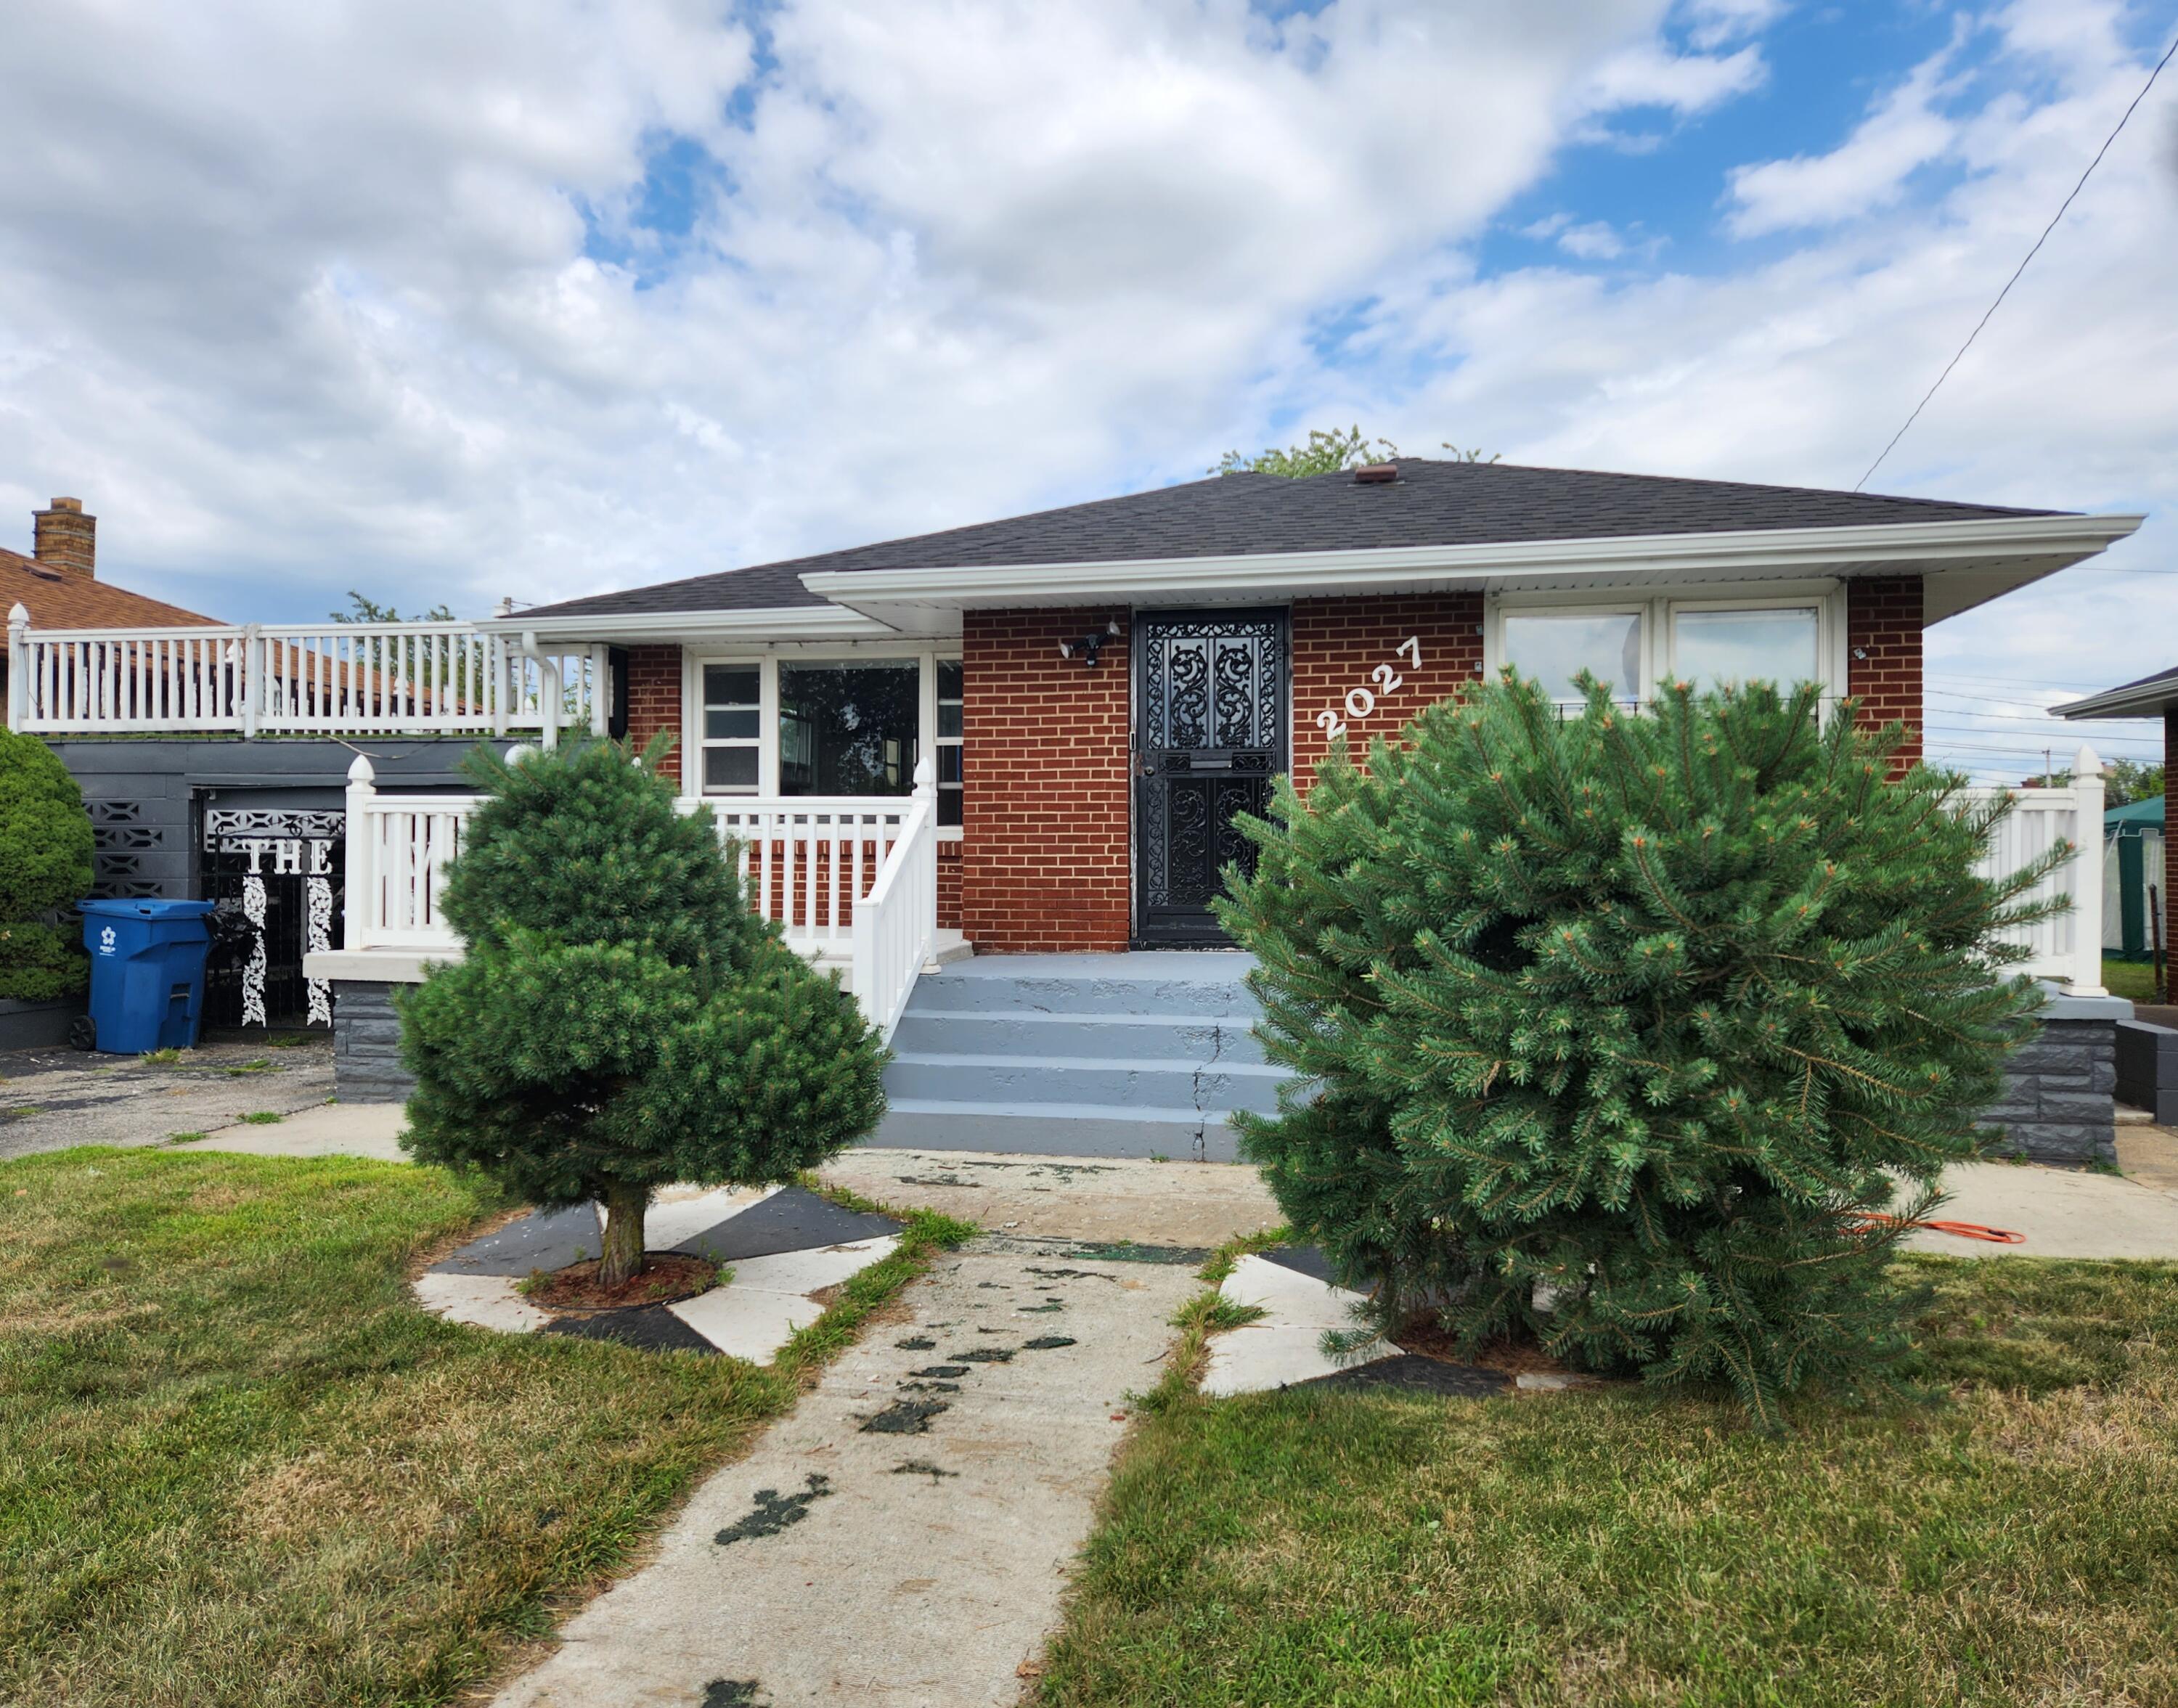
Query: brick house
1102, 687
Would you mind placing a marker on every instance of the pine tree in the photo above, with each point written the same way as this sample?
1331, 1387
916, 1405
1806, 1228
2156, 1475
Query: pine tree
622, 1018
1613, 1030
45, 868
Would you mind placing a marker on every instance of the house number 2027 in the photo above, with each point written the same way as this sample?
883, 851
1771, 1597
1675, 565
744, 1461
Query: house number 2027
1362, 701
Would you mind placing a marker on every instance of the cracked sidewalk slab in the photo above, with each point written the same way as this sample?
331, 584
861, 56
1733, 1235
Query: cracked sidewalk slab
916, 1570
1106, 1201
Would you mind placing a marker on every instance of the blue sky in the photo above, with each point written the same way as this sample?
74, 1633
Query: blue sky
535, 297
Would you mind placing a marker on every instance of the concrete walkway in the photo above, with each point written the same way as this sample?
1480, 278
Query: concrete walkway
2063, 1214
324, 1130
902, 1538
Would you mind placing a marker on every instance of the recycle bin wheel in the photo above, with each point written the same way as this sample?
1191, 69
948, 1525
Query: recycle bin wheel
83, 1032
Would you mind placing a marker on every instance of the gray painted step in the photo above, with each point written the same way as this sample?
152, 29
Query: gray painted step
1055, 1130
1112, 1037
971, 988
1121, 1086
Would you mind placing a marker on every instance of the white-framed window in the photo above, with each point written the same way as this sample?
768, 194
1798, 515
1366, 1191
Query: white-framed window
1554, 645
1786, 634
815, 718
950, 746
730, 722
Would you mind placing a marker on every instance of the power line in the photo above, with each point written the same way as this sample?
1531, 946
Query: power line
2021, 267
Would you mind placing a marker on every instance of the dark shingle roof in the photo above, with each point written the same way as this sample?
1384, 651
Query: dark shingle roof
1242, 515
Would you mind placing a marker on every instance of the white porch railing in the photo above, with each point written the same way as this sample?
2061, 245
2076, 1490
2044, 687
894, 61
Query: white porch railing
2069, 947
381, 678
851, 880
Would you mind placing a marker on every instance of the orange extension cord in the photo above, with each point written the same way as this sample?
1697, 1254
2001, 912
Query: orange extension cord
1959, 1230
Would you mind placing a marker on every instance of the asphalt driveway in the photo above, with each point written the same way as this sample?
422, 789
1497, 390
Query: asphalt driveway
50, 1098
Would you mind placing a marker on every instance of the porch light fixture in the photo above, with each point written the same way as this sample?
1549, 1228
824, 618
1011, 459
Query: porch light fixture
1090, 645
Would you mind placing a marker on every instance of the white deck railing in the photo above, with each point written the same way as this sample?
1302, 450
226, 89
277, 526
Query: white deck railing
853, 880
2070, 946
380, 678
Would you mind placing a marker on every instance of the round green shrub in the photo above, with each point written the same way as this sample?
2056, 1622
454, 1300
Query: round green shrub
1613, 1029
622, 1018
45, 869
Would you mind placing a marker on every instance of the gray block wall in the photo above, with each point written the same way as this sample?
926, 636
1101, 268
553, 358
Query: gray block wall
2059, 1104
367, 1045
143, 794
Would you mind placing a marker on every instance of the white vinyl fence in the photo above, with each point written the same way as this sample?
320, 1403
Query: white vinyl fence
2070, 946
852, 881
380, 678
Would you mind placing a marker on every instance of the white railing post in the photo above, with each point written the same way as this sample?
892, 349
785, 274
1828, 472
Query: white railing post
360, 902
497, 668
2087, 875
250, 666
547, 689
600, 690
18, 666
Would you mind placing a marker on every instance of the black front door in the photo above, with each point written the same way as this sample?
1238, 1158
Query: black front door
1210, 733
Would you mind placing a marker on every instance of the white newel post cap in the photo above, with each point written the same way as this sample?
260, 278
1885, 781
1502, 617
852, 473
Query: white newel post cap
360, 774
2085, 763
19, 616
926, 776
519, 752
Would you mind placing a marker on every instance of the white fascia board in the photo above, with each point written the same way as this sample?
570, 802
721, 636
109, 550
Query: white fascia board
694, 627
2027, 545
2141, 700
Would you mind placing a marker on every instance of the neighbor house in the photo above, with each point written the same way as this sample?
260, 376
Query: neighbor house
57, 586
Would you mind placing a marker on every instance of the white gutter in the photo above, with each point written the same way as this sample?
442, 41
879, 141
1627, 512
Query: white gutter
783, 622
2148, 699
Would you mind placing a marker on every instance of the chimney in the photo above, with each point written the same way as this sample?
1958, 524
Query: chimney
64, 538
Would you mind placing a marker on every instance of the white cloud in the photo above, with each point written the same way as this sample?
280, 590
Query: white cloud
1711, 24
1864, 174
300, 298
1596, 241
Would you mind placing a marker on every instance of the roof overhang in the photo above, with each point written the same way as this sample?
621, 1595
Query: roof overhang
2148, 699
1965, 563
636, 628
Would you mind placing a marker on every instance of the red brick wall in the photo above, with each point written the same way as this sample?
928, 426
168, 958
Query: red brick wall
2170, 840
1338, 642
1882, 653
654, 701
948, 886
1043, 864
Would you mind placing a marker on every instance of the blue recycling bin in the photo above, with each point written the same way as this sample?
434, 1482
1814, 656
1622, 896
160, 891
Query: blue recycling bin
147, 973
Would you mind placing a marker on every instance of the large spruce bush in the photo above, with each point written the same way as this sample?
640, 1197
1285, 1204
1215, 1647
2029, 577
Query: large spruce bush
45, 868
1612, 1028
622, 1018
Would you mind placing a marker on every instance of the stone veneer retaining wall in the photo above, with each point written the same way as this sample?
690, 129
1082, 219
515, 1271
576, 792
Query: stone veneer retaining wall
367, 1045
2059, 1104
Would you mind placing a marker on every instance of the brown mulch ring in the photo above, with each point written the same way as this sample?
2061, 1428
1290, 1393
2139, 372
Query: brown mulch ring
1423, 1335
665, 1276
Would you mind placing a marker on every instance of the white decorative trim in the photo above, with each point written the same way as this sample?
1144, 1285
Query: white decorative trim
253, 971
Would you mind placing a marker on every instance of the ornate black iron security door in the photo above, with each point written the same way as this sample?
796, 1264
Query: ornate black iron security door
1210, 733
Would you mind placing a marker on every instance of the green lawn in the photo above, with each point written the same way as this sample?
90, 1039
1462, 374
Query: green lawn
237, 1466
2133, 980
2016, 1544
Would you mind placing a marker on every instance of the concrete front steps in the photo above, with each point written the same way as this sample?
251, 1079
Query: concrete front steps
1083, 1055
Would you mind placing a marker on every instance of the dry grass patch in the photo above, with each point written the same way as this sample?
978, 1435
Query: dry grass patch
239, 1465
2014, 1539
